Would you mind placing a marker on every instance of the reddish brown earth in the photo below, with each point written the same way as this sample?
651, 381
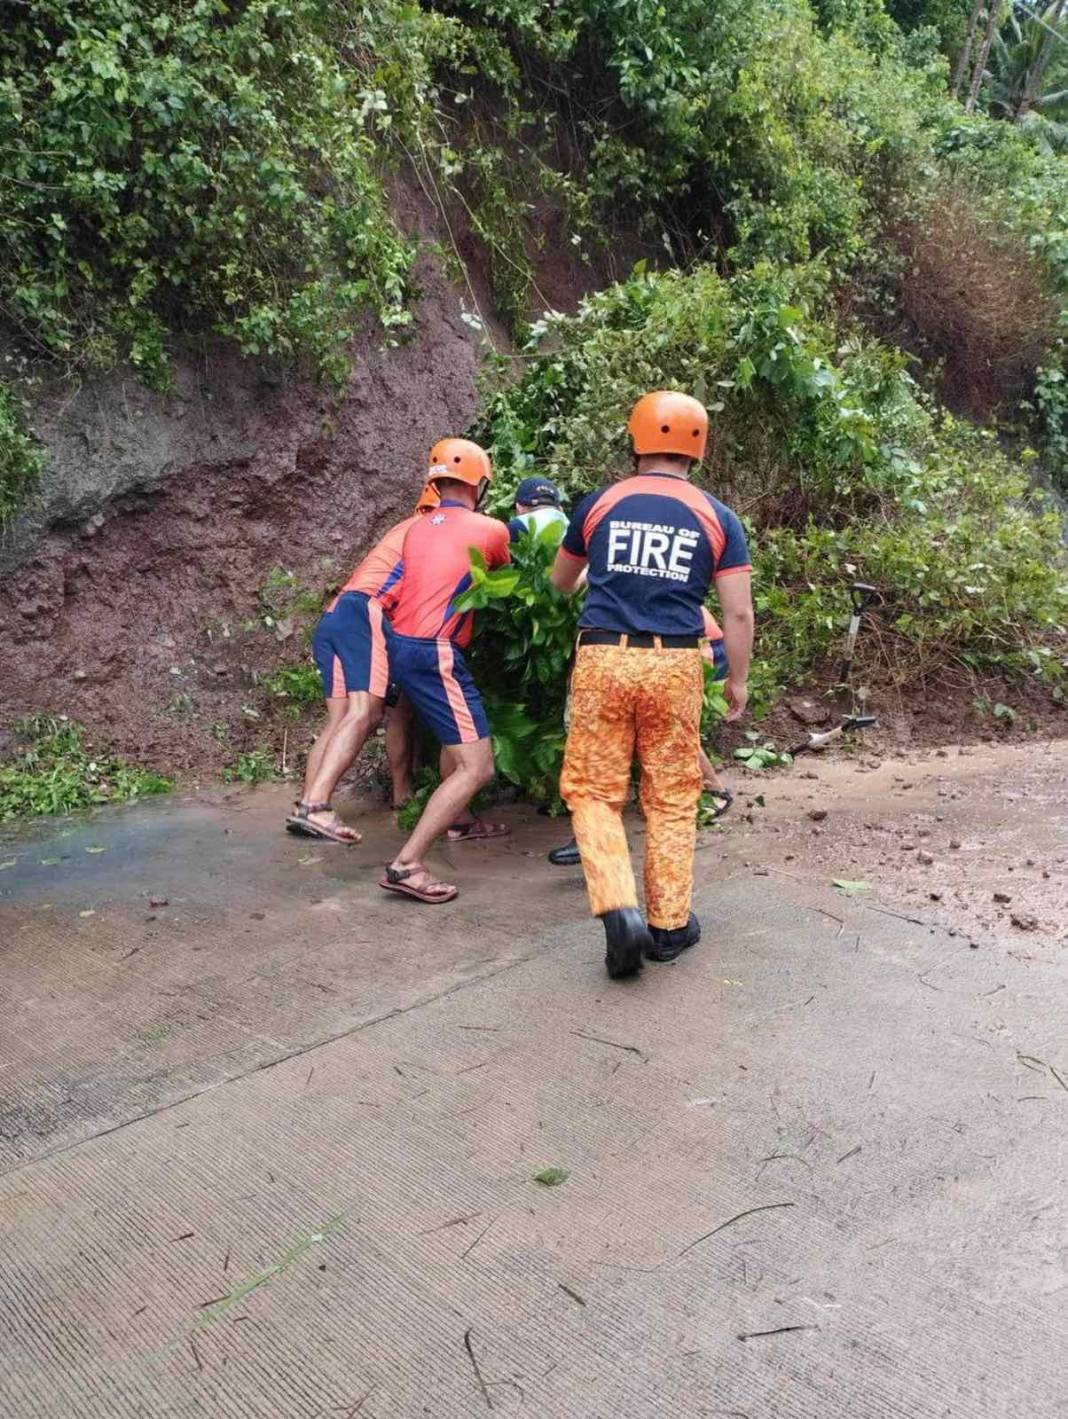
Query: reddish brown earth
132, 599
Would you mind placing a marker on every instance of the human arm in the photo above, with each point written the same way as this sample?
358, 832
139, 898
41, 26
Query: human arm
568, 572
496, 544
736, 605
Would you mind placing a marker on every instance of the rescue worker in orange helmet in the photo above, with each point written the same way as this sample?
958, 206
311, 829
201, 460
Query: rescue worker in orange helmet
426, 645
350, 652
652, 544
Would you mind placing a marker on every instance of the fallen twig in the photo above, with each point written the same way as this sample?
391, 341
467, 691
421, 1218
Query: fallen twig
852, 1153
901, 916
478, 1372
614, 1044
481, 1234
573, 1294
749, 1211
779, 1330
452, 1222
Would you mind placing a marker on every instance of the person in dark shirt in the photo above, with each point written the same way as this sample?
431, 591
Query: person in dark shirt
537, 506
651, 546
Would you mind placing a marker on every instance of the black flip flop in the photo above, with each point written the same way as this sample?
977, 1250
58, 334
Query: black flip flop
726, 795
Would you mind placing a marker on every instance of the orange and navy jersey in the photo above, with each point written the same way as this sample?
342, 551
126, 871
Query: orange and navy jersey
380, 569
654, 544
436, 569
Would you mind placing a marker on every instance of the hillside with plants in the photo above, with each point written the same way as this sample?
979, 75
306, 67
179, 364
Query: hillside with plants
842, 224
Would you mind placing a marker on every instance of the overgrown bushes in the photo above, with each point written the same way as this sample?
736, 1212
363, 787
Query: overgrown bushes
978, 301
824, 445
182, 165
177, 163
20, 455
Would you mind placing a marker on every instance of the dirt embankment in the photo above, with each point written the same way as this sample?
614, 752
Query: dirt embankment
127, 618
132, 596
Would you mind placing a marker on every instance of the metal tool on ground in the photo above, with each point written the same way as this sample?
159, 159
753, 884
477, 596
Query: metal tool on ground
816, 742
860, 595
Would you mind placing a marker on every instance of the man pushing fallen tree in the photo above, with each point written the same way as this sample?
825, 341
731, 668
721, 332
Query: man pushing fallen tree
426, 649
653, 545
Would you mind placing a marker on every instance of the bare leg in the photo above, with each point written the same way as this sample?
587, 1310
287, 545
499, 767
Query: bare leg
472, 769
399, 745
361, 713
335, 710
710, 779
335, 713
466, 826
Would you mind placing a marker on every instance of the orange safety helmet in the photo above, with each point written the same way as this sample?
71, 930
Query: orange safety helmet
460, 459
428, 499
669, 422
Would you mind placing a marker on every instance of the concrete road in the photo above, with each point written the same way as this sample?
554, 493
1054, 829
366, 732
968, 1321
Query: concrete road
269, 1147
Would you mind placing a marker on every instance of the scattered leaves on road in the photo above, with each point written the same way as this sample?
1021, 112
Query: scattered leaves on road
552, 1177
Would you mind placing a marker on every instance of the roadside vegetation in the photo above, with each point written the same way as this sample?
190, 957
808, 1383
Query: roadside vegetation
54, 769
856, 220
841, 466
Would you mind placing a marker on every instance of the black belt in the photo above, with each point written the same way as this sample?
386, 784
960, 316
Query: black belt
638, 640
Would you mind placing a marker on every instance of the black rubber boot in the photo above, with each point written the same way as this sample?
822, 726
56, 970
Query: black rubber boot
566, 856
626, 936
667, 945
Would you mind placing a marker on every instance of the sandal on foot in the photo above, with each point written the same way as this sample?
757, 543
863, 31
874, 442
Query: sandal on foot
299, 822
475, 830
726, 797
396, 880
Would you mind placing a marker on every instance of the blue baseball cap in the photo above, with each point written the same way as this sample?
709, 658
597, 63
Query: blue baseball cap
538, 492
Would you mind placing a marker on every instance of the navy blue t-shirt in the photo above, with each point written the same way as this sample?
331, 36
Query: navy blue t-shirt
654, 544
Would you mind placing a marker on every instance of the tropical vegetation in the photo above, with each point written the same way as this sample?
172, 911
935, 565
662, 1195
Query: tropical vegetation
854, 220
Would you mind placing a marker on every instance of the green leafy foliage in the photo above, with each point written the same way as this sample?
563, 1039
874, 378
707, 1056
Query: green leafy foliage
256, 766
823, 442
302, 684
525, 631
426, 781
20, 456
759, 755
179, 162
552, 1177
56, 771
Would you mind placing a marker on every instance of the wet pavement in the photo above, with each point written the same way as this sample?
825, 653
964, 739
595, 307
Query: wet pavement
269, 1138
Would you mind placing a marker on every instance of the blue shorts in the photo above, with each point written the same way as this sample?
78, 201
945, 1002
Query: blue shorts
434, 676
350, 647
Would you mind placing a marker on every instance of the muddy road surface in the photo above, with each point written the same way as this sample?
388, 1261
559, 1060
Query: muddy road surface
270, 1139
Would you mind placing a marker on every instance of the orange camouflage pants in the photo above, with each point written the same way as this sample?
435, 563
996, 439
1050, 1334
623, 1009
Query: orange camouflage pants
625, 702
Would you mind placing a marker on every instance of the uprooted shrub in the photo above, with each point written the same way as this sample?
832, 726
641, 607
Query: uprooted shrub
977, 299
521, 658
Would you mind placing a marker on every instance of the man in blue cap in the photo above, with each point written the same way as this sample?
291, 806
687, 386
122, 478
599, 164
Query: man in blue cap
537, 506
